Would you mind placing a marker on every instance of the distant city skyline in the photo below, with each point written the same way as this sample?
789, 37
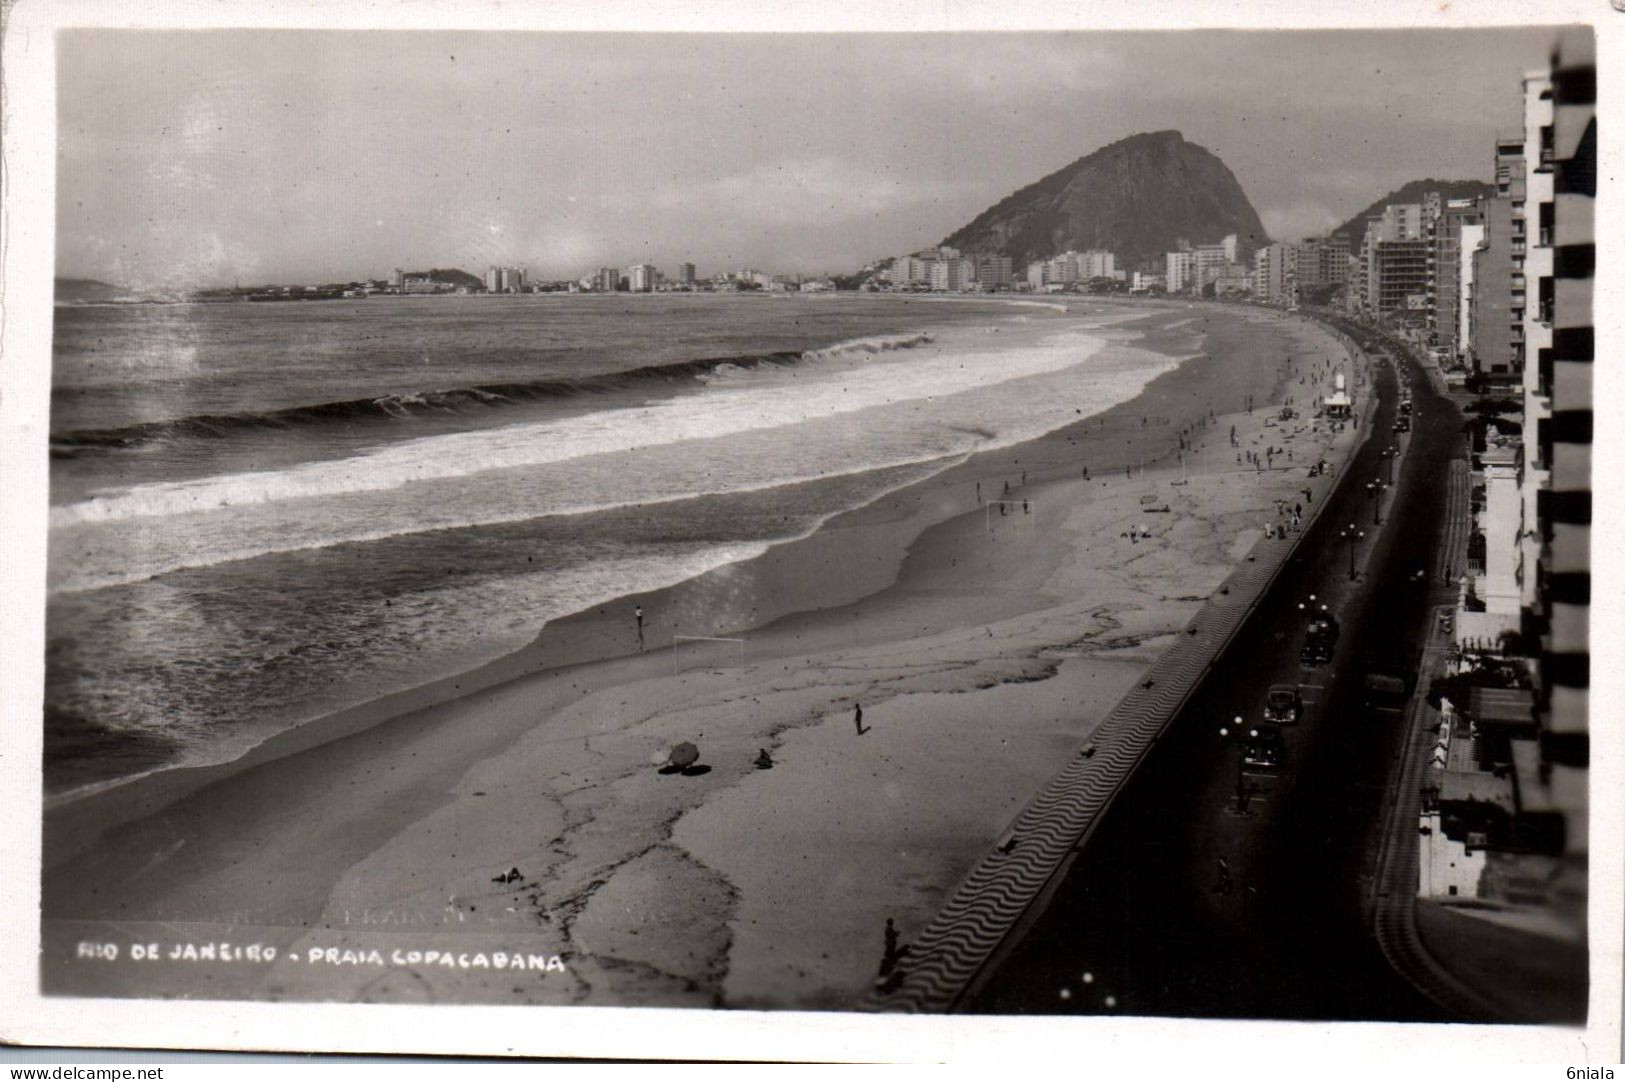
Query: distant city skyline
206, 157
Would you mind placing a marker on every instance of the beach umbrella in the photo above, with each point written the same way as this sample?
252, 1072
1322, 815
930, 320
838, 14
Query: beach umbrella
684, 755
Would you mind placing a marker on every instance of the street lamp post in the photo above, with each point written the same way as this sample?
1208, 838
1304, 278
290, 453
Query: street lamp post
1373, 490
1353, 537
1391, 454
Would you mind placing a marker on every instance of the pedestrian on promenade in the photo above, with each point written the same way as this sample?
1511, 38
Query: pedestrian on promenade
857, 719
1297, 510
637, 614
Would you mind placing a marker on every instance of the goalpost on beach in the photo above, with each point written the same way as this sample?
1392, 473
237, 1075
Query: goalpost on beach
1009, 513
713, 652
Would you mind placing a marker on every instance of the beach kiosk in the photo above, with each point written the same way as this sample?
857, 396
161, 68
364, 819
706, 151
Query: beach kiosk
1338, 404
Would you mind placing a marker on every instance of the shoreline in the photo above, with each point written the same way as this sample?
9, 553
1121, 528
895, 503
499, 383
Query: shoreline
911, 541
527, 659
173, 781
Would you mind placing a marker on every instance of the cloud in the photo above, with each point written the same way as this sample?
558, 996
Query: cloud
1299, 219
827, 187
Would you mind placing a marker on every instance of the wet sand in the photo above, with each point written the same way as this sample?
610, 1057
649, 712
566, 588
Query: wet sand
982, 647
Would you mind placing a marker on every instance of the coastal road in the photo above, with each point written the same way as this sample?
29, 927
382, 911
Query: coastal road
1143, 922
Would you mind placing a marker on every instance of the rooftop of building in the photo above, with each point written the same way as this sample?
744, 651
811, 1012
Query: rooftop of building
1506, 706
1476, 787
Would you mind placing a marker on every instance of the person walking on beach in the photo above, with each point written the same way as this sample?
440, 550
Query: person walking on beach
637, 614
857, 719
892, 953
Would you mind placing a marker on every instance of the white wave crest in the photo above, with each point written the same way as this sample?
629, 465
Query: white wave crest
719, 411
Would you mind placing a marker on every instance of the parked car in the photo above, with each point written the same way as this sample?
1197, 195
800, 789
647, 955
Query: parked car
1384, 692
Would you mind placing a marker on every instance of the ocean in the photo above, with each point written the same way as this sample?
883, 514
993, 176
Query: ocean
262, 513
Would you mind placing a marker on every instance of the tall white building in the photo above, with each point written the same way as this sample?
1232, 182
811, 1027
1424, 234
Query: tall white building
1190, 269
504, 280
952, 275
1180, 271
641, 277
1472, 238
1275, 273
1210, 259
910, 270
1096, 263
993, 271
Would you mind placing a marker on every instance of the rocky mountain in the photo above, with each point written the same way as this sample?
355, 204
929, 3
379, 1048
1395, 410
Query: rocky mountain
451, 277
1354, 228
1138, 197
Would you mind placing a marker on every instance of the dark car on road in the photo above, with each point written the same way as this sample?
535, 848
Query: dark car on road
1264, 749
1283, 705
1319, 641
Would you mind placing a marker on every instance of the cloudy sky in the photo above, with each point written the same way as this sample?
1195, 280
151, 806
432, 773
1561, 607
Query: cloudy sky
200, 157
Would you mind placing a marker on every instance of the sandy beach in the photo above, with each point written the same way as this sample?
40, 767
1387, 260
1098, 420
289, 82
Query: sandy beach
982, 641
